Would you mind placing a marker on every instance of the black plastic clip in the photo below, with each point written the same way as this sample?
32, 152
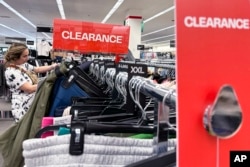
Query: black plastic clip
77, 138
77, 131
70, 79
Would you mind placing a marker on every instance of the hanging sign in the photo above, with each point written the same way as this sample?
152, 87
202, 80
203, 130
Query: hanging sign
44, 29
90, 37
140, 47
172, 43
213, 40
11, 40
30, 42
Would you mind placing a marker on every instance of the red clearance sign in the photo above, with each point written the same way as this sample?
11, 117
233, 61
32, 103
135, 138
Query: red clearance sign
213, 40
90, 37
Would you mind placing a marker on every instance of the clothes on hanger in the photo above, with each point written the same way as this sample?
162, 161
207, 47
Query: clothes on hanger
3, 84
43, 48
75, 84
61, 95
11, 140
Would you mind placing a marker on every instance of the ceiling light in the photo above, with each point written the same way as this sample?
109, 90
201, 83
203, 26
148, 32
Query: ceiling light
115, 7
158, 30
159, 14
159, 38
17, 13
60, 8
16, 31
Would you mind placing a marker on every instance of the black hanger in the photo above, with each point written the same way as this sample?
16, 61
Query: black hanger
92, 127
91, 100
89, 88
80, 69
101, 104
100, 113
96, 110
79, 128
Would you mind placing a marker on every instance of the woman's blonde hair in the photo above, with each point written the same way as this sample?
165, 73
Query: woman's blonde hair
14, 52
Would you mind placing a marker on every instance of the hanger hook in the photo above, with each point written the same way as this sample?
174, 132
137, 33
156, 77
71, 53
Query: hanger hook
165, 111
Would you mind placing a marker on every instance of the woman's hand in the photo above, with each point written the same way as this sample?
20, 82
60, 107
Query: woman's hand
53, 66
42, 69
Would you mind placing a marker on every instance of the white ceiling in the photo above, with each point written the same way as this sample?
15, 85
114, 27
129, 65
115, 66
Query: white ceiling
41, 13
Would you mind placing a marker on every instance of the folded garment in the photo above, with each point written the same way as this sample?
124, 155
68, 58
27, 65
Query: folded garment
93, 159
98, 151
89, 149
88, 139
82, 165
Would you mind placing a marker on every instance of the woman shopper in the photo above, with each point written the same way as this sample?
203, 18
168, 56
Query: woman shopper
20, 80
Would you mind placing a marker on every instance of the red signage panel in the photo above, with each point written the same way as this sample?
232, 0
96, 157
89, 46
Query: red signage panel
90, 37
213, 40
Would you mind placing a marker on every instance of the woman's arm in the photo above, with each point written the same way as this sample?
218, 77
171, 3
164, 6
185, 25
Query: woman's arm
43, 69
28, 87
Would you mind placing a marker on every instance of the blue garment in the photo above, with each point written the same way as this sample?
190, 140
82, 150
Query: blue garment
85, 66
63, 131
62, 96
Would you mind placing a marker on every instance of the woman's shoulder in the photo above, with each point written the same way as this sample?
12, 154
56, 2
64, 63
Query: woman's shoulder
27, 66
11, 70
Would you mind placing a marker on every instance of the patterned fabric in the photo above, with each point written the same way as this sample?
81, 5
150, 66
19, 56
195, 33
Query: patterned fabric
21, 101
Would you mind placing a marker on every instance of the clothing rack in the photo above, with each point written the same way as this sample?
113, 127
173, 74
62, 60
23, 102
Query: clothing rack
5, 96
155, 64
4, 89
161, 97
151, 90
164, 158
161, 65
160, 61
79, 127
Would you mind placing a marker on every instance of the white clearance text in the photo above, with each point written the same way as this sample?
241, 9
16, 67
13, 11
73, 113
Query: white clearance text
91, 37
216, 22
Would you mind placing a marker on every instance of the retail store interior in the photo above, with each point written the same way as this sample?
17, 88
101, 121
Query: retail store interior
139, 84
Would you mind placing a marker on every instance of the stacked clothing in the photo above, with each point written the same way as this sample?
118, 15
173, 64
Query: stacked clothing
98, 151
